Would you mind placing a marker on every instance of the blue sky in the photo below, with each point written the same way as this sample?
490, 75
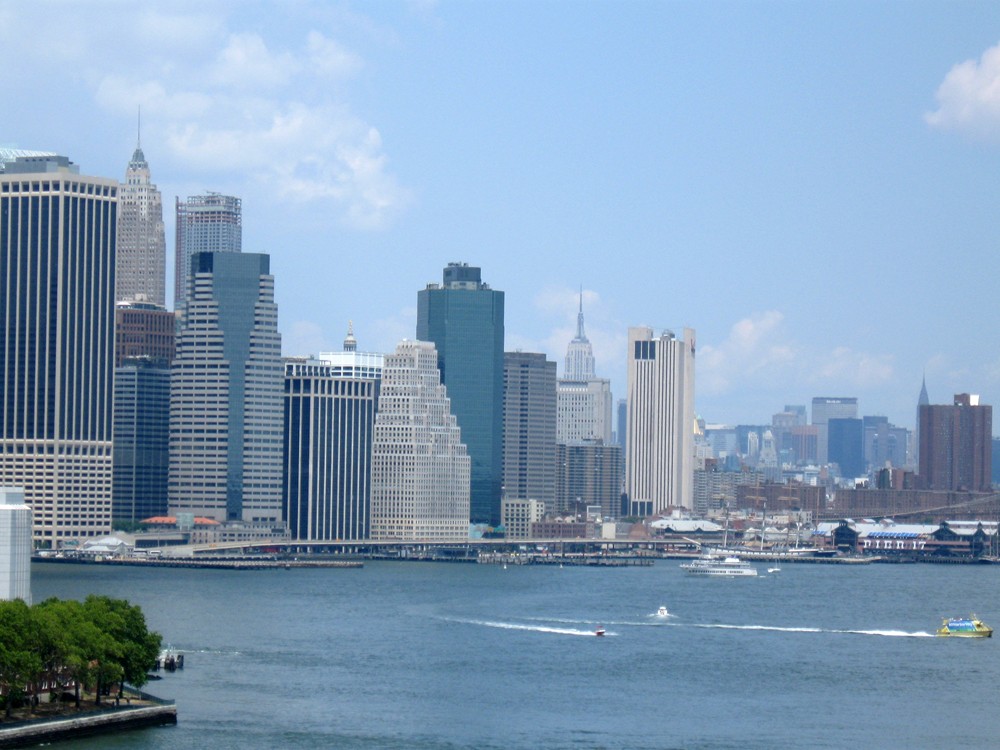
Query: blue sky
813, 187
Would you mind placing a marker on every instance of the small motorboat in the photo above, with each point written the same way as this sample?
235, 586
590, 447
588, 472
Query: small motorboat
662, 612
599, 631
774, 570
965, 627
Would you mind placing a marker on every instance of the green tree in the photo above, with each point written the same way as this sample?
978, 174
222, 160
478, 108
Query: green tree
20, 663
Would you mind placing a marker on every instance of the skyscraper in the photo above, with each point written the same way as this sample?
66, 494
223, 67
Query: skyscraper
57, 282
579, 353
922, 400
330, 405
659, 464
845, 441
226, 389
463, 317
142, 249
210, 223
420, 467
825, 408
529, 428
956, 445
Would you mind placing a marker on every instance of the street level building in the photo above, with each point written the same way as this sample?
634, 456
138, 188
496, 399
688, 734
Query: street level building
463, 317
58, 231
659, 465
226, 389
518, 515
330, 405
142, 247
420, 467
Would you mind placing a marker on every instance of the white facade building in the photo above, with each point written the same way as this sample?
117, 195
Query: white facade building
659, 465
15, 545
517, 516
583, 411
420, 467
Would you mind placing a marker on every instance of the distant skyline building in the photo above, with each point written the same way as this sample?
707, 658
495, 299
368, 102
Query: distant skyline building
141, 439
579, 353
956, 445
226, 389
420, 466
825, 408
142, 247
922, 400
210, 223
58, 232
845, 441
589, 474
464, 319
659, 464
15, 545
529, 428
584, 411
330, 405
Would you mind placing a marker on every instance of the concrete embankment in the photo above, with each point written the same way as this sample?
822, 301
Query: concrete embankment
32, 733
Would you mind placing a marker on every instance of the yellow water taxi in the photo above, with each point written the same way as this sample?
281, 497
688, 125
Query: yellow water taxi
971, 627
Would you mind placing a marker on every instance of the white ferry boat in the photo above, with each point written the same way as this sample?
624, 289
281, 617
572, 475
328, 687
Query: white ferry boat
711, 565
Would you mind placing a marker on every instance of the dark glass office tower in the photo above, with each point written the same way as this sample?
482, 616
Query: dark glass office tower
464, 319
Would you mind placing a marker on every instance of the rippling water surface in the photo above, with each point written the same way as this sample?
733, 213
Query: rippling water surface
447, 655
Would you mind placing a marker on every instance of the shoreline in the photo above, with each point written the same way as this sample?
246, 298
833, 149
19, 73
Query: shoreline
33, 732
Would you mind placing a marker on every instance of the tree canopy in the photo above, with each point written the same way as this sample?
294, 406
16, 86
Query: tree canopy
61, 644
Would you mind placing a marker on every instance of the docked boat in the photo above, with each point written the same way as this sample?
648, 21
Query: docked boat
970, 627
725, 567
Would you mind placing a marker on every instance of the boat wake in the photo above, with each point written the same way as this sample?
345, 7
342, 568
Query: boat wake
531, 628
774, 628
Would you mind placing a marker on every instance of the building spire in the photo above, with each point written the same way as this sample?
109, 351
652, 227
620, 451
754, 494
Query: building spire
138, 158
350, 343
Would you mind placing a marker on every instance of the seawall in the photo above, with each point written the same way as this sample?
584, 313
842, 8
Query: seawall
32, 733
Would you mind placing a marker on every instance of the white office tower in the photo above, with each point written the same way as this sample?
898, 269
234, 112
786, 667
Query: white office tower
420, 467
659, 464
15, 545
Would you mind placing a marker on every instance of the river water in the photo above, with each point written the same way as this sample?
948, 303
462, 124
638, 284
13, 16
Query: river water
451, 655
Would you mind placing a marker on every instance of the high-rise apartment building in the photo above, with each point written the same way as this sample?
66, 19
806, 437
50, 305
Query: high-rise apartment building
142, 248
825, 408
15, 545
226, 387
58, 231
210, 223
587, 475
529, 427
463, 317
956, 445
330, 405
659, 464
420, 467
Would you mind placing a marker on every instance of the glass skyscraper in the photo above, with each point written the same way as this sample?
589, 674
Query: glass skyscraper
58, 232
463, 317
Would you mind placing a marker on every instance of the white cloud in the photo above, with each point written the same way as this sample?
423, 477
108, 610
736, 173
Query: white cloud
303, 338
969, 97
858, 369
755, 347
247, 64
121, 95
329, 57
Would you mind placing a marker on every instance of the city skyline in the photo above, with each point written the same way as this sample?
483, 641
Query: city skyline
816, 215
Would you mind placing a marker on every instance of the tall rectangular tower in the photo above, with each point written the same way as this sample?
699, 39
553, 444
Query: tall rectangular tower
659, 465
463, 318
529, 428
825, 408
210, 223
956, 445
58, 232
226, 385
330, 407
